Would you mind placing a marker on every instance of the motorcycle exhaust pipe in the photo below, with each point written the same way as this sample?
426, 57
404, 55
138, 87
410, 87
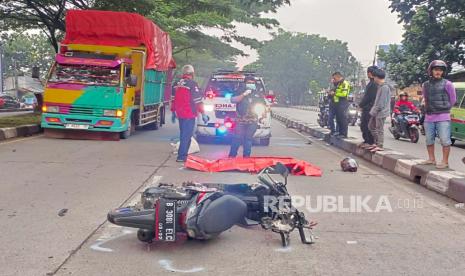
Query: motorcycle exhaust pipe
144, 219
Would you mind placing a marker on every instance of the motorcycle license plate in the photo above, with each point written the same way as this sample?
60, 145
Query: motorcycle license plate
165, 220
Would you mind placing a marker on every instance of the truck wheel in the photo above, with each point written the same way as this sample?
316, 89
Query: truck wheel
152, 126
131, 128
265, 142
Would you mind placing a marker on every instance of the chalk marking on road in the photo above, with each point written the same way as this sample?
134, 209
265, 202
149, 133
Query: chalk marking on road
167, 264
102, 240
286, 249
113, 232
352, 242
405, 189
22, 139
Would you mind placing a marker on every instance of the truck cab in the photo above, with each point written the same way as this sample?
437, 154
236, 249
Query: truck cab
111, 77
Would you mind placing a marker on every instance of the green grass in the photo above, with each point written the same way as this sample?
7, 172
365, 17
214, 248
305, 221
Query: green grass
19, 120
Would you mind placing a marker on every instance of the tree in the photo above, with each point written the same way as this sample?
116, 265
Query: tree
433, 30
184, 20
294, 63
21, 51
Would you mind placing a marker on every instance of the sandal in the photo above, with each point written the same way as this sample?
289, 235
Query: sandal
442, 166
428, 162
376, 149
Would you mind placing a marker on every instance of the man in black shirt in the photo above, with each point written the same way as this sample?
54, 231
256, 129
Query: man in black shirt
366, 104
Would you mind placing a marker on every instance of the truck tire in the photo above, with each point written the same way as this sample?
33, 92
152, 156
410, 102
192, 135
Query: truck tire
131, 128
152, 126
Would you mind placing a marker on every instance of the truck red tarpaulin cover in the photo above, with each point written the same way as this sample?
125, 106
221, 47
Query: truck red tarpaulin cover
120, 29
251, 164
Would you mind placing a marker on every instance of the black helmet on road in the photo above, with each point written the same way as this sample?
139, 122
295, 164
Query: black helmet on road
349, 165
437, 64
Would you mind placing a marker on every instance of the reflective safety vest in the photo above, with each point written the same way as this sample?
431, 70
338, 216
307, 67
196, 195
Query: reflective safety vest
342, 91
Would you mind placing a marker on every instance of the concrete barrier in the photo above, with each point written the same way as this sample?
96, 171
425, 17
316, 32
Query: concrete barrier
20, 131
447, 182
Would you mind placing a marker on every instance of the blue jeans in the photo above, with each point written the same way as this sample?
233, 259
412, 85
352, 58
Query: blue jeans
441, 129
331, 118
243, 134
186, 130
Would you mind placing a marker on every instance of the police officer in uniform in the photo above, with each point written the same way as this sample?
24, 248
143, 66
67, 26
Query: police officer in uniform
251, 107
340, 95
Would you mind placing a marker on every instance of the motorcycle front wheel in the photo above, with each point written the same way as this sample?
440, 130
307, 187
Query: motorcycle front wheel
414, 135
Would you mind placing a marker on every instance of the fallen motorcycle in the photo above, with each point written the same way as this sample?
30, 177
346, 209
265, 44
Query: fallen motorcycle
203, 211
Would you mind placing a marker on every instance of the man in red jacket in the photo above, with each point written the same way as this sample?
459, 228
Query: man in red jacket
187, 103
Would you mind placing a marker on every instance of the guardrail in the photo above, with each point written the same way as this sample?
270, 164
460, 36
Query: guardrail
15, 110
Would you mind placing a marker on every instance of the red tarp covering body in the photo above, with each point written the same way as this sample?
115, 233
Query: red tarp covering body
120, 29
252, 164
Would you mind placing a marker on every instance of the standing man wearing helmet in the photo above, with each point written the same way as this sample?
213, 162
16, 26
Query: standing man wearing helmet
366, 104
340, 95
440, 96
186, 105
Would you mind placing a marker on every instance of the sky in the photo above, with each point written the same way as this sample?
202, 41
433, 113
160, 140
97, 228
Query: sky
362, 23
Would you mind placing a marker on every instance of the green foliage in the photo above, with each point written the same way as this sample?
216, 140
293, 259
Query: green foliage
434, 30
23, 50
294, 63
186, 21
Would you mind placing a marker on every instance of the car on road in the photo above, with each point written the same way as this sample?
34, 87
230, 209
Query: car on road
29, 103
220, 88
9, 102
458, 114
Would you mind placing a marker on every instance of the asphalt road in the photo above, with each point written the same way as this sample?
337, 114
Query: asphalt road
402, 145
39, 177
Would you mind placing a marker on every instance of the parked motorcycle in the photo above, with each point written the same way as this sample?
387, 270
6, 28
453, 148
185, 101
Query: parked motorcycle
407, 128
323, 115
352, 116
203, 211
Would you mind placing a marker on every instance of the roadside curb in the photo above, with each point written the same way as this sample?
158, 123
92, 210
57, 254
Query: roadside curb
448, 182
19, 131
308, 108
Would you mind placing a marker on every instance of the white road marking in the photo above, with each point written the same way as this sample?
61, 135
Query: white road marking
167, 264
103, 239
352, 242
284, 249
